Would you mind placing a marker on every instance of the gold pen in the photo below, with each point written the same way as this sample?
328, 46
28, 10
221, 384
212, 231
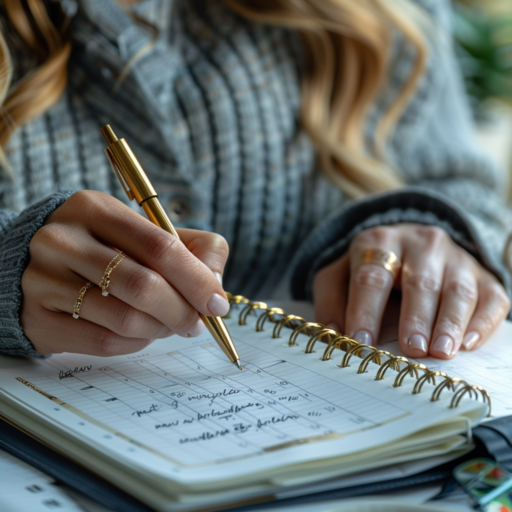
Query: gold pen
137, 186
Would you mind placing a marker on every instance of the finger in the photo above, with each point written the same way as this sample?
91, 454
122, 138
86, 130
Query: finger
492, 308
117, 225
210, 248
458, 302
330, 290
51, 332
369, 287
137, 286
108, 312
421, 281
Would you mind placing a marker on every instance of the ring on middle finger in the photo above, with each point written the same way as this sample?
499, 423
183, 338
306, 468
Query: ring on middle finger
385, 259
80, 300
105, 280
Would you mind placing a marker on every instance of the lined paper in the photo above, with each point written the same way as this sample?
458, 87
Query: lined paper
190, 406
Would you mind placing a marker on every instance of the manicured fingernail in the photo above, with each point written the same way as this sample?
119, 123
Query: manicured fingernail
218, 305
219, 277
443, 344
363, 337
418, 342
470, 340
197, 329
333, 326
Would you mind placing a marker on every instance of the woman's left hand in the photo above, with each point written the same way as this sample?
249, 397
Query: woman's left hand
448, 298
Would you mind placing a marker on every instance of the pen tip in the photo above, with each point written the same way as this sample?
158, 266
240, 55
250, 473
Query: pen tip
237, 363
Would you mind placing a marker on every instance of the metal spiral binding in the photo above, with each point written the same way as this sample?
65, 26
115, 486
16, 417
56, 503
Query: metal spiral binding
351, 348
305, 328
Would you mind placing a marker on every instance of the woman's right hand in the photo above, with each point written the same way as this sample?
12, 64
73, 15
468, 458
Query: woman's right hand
156, 291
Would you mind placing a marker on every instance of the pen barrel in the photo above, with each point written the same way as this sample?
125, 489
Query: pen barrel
124, 161
220, 334
156, 214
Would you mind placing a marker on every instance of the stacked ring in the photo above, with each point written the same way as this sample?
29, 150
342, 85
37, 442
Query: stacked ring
78, 303
105, 280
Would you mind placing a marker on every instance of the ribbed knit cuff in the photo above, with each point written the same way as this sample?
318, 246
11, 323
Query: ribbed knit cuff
332, 238
14, 257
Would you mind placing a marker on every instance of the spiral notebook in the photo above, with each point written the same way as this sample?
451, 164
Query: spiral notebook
180, 428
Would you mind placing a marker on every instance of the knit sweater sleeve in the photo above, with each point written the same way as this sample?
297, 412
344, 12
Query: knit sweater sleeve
16, 232
451, 183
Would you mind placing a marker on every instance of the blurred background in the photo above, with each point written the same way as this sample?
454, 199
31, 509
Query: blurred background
483, 33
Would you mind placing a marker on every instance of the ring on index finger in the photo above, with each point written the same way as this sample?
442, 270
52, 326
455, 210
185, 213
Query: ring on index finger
385, 259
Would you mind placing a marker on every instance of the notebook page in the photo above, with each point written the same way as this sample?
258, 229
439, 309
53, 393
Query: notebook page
490, 366
179, 407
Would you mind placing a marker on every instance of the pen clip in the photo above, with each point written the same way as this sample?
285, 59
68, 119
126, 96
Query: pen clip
119, 174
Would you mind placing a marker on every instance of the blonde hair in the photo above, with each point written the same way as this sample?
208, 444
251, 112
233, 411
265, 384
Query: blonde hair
346, 44
40, 89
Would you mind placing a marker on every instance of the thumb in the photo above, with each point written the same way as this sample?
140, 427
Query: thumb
210, 248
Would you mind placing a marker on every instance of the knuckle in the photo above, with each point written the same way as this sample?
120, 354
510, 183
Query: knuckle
485, 324
499, 294
106, 343
372, 276
85, 202
186, 321
417, 322
432, 234
463, 290
84, 198
49, 235
92, 206
421, 283
27, 279
451, 326
219, 243
377, 235
158, 245
141, 285
364, 318
203, 286
127, 322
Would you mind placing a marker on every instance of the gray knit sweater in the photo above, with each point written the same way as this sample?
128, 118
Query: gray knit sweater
211, 110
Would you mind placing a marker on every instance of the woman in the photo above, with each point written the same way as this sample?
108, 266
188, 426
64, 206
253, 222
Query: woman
327, 138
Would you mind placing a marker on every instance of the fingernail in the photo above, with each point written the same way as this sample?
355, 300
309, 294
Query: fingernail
334, 327
470, 340
363, 337
443, 344
218, 305
219, 277
197, 329
418, 342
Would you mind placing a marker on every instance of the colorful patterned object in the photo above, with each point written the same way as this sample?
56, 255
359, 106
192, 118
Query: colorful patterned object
488, 484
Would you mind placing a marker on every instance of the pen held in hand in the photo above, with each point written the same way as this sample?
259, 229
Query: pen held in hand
137, 186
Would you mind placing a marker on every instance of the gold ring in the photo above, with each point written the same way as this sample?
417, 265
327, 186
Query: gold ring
386, 259
78, 303
105, 280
